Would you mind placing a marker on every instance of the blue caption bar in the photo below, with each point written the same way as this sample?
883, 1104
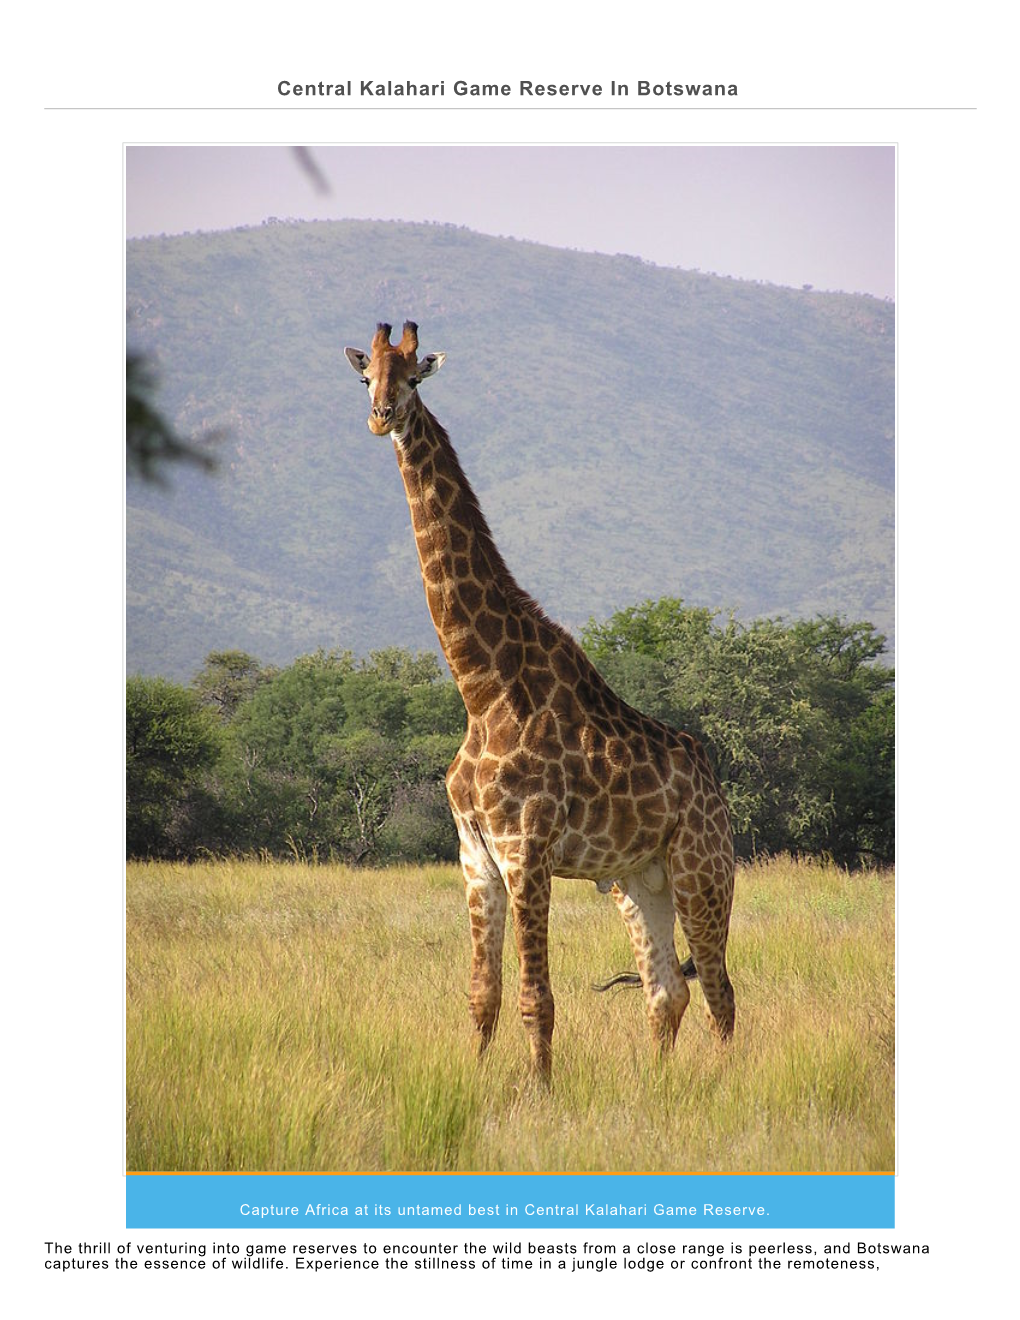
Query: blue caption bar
528, 1201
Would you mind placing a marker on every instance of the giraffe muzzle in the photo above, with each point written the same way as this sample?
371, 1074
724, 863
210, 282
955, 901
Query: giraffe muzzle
381, 420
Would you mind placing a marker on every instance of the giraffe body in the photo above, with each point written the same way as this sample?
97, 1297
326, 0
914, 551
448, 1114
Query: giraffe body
556, 775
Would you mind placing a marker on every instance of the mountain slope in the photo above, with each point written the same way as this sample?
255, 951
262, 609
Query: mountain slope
631, 431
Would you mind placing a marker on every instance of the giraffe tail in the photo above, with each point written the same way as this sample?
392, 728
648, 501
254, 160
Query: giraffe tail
632, 979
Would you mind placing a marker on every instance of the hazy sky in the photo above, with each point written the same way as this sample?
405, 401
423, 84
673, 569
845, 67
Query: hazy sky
789, 215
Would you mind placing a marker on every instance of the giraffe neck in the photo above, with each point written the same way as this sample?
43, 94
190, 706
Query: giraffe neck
482, 617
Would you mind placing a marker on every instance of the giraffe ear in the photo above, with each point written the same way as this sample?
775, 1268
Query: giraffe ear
429, 365
358, 360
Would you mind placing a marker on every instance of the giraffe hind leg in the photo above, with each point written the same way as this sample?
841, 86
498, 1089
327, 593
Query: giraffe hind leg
647, 910
702, 890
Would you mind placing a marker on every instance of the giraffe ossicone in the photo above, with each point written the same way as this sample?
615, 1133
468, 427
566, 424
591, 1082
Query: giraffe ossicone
556, 775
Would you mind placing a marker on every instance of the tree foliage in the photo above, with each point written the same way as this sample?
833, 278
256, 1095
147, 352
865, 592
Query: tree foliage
328, 757
172, 745
152, 443
335, 756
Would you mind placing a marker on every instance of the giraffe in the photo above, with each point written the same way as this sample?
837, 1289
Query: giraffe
556, 774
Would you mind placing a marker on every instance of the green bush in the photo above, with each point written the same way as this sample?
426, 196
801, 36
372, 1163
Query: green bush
172, 745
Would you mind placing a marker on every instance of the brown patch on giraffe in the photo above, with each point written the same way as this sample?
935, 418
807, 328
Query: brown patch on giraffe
569, 736
598, 815
471, 597
445, 491
576, 813
539, 683
566, 708
517, 700
624, 820
553, 783
503, 738
434, 571
539, 816
459, 541
542, 736
618, 753
489, 629
643, 780
513, 772
563, 666
505, 659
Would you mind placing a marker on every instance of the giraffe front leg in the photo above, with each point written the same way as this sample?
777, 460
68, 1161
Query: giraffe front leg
486, 903
529, 897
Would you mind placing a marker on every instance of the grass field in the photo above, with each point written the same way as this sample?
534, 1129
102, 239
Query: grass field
291, 1017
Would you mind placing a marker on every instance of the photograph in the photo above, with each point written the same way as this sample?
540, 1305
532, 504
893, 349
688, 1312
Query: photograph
510, 643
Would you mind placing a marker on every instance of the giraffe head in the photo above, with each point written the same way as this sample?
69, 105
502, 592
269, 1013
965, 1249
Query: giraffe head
392, 374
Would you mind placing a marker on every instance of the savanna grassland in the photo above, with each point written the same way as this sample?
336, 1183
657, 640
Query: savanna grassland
300, 1017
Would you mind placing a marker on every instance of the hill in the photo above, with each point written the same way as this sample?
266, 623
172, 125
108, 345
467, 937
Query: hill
631, 431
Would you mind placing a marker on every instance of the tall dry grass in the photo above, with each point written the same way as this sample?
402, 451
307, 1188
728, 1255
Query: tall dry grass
293, 1017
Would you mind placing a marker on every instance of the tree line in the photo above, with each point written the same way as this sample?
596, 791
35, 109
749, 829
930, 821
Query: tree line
336, 757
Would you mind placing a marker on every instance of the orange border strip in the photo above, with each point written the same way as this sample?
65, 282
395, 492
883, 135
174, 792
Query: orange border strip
508, 1173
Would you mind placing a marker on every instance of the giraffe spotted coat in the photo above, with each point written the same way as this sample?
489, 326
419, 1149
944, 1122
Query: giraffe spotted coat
556, 774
